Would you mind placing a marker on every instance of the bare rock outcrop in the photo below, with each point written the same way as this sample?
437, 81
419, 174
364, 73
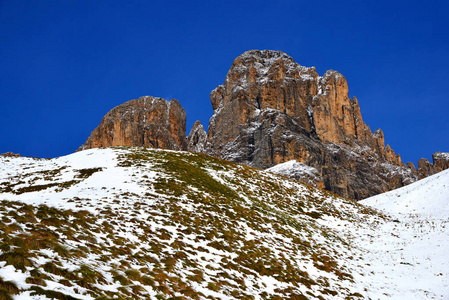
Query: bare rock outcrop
271, 110
147, 121
425, 168
196, 140
10, 154
440, 161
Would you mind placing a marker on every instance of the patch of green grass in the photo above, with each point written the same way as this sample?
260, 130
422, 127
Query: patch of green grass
192, 172
89, 275
62, 251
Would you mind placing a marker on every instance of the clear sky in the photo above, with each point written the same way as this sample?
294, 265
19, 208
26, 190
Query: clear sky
65, 64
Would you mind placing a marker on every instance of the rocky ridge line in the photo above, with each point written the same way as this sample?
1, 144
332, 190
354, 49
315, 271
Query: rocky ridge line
269, 111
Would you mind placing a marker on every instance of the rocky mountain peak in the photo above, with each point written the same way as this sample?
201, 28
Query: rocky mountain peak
259, 67
147, 121
272, 110
265, 55
254, 64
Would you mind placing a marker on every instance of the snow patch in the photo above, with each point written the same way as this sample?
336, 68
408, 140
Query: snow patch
296, 170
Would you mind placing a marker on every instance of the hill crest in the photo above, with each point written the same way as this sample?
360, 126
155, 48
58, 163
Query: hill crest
147, 223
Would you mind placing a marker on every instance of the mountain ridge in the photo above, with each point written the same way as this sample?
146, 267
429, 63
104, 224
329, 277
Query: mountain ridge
271, 110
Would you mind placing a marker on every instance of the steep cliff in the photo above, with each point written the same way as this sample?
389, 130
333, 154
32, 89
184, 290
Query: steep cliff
147, 121
271, 110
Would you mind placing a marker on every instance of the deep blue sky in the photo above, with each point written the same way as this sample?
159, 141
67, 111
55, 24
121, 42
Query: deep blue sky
64, 64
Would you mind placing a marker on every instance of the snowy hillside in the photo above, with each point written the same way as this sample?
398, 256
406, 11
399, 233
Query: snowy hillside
428, 198
135, 223
414, 254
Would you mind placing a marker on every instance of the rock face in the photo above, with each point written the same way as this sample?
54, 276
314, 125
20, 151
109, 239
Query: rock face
425, 168
197, 138
147, 121
271, 110
10, 154
440, 161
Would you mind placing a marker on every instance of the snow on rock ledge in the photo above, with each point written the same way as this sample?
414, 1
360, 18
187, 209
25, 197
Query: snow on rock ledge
298, 171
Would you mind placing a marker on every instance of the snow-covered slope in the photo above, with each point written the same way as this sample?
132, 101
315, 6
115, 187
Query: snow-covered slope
428, 198
135, 223
412, 252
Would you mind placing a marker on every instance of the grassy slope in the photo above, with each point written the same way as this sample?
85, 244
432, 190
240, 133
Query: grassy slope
171, 225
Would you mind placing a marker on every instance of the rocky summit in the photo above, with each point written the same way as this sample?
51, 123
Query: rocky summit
270, 111
147, 121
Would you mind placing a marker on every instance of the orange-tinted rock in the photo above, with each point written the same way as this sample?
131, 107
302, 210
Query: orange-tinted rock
271, 110
333, 111
10, 154
425, 168
440, 161
147, 121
